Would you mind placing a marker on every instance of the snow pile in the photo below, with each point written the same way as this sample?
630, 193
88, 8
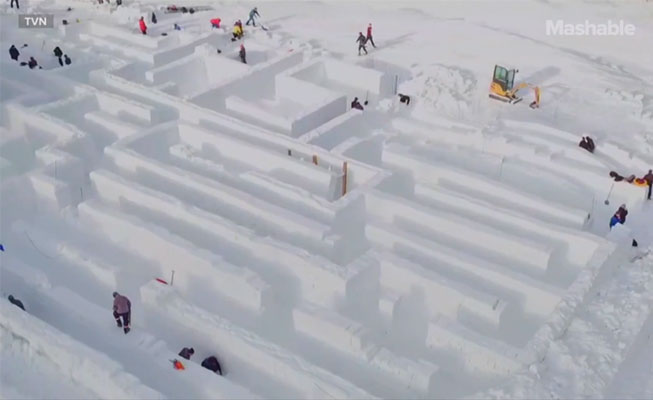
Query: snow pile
96, 372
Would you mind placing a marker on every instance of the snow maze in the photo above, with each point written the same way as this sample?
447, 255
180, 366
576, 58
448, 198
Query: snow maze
316, 251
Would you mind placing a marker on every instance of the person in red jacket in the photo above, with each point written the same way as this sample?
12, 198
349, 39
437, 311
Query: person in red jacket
369, 35
215, 22
141, 24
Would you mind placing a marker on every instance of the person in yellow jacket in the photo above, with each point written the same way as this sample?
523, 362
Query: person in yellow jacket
238, 30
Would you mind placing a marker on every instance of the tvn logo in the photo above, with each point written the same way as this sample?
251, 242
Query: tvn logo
36, 21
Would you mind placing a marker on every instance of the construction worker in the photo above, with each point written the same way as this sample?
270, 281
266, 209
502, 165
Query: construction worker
211, 363
142, 26
369, 35
14, 53
361, 43
238, 31
122, 308
649, 181
215, 23
536, 102
187, 352
356, 104
242, 53
17, 5
16, 302
252, 16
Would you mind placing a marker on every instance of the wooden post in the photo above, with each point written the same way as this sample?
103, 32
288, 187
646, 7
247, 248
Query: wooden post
344, 178
290, 152
172, 278
396, 82
315, 159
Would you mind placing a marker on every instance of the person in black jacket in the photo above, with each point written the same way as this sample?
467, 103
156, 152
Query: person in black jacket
57, 52
187, 352
67, 59
16, 302
211, 363
14, 53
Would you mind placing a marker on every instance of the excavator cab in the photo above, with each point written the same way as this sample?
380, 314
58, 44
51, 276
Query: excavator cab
503, 82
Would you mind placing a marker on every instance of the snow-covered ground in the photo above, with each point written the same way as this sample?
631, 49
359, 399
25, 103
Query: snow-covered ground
455, 247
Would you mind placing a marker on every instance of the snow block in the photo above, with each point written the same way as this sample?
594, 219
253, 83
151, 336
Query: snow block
224, 199
535, 297
259, 158
237, 344
424, 170
117, 105
443, 296
335, 131
479, 353
345, 335
95, 371
113, 124
575, 246
467, 234
53, 193
172, 252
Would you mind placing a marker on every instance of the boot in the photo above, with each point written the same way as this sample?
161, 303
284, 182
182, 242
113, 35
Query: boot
126, 330
119, 323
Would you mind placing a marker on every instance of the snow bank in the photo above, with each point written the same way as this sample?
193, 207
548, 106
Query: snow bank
577, 247
535, 297
85, 366
463, 233
479, 353
442, 295
342, 334
238, 205
192, 265
401, 158
246, 348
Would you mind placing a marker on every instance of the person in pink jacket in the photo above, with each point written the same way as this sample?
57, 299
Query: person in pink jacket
122, 308
141, 24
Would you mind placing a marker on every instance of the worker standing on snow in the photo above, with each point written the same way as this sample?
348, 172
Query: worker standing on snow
215, 23
619, 217
122, 308
356, 104
211, 363
17, 5
14, 53
238, 31
649, 181
361, 43
187, 352
16, 302
242, 54
369, 35
142, 26
154, 21
252, 16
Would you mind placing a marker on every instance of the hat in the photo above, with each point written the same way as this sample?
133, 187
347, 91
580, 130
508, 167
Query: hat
623, 206
191, 350
11, 297
115, 294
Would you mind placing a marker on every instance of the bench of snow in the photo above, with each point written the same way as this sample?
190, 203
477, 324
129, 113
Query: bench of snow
172, 252
424, 170
226, 200
478, 352
246, 348
443, 296
345, 335
535, 297
311, 177
464, 233
95, 371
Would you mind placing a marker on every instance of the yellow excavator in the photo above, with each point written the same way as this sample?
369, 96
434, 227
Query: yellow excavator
503, 86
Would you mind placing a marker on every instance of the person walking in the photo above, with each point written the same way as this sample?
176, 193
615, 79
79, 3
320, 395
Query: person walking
17, 5
142, 26
361, 43
122, 309
187, 352
369, 35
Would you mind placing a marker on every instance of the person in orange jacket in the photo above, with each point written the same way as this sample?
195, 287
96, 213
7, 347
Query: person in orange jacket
141, 24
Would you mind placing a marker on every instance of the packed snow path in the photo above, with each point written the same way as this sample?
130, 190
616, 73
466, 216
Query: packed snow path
443, 249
